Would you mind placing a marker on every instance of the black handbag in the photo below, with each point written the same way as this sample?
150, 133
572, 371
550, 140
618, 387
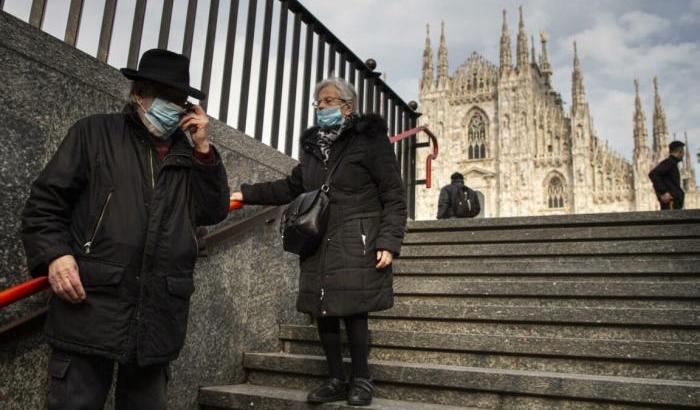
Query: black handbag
305, 219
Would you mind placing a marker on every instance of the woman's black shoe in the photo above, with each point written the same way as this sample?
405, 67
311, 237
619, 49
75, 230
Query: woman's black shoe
332, 390
360, 393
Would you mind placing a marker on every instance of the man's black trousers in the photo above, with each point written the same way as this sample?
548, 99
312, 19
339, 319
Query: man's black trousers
82, 382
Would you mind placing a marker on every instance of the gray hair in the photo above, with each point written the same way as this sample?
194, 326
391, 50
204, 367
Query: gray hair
346, 90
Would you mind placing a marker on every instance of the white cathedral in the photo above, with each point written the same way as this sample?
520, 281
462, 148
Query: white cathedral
505, 128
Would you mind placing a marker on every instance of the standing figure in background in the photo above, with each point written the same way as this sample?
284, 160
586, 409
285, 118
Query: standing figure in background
458, 200
667, 179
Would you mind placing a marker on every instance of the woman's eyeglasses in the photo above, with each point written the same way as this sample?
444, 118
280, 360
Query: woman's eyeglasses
327, 101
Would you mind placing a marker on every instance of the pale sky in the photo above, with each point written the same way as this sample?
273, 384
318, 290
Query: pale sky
618, 40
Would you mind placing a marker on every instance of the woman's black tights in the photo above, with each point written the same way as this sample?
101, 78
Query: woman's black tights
358, 339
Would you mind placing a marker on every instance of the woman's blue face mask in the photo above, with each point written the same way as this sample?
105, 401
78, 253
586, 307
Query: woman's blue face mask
162, 117
329, 117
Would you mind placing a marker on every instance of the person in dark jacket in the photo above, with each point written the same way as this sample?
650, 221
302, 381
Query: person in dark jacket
111, 220
447, 206
350, 274
667, 179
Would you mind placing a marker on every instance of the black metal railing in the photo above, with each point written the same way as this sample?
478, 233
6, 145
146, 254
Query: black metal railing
274, 107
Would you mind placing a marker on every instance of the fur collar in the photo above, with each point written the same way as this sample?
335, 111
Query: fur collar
370, 125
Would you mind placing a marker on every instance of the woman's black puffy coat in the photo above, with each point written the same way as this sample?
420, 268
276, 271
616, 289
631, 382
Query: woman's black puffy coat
367, 213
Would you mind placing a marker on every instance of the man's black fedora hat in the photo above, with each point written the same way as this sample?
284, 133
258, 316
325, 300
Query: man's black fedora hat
167, 68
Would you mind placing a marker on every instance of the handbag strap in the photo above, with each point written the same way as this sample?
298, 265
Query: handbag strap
327, 183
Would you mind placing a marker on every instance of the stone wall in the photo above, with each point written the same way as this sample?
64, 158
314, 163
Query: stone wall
244, 287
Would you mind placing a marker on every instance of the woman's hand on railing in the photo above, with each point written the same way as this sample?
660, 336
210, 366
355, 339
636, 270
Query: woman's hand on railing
235, 201
64, 279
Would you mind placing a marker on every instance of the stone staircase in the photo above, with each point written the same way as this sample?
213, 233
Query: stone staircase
561, 312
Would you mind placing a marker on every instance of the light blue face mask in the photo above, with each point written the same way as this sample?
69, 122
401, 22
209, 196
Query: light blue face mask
162, 118
329, 117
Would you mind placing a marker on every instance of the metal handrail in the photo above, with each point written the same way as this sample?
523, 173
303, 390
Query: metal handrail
431, 157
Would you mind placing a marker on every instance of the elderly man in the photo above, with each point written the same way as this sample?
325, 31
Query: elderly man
111, 220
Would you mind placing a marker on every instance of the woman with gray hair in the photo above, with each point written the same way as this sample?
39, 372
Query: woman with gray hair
350, 273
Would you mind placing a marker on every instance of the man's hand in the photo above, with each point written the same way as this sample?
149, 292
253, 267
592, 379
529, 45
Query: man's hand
666, 198
384, 259
237, 196
64, 279
197, 123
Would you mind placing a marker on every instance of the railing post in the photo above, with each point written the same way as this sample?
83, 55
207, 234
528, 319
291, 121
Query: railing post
331, 61
75, 13
106, 30
279, 74
406, 161
293, 84
247, 62
189, 27
377, 104
209, 50
165, 19
370, 93
136, 34
262, 78
36, 14
412, 171
385, 106
361, 90
352, 71
228, 60
320, 56
306, 81
342, 62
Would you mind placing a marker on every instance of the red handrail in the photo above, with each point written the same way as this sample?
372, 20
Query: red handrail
23, 290
432, 156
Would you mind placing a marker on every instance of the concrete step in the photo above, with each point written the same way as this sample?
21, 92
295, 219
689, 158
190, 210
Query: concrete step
535, 329
612, 288
624, 265
249, 396
495, 381
553, 302
689, 217
621, 349
451, 350
590, 315
664, 248
549, 234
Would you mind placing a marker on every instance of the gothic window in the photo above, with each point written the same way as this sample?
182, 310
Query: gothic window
477, 137
555, 193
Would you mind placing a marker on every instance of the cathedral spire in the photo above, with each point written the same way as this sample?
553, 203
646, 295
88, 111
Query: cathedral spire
578, 95
522, 42
428, 75
545, 67
689, 169
533, 59
660, 135
506, 62
640, 127
443, 73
